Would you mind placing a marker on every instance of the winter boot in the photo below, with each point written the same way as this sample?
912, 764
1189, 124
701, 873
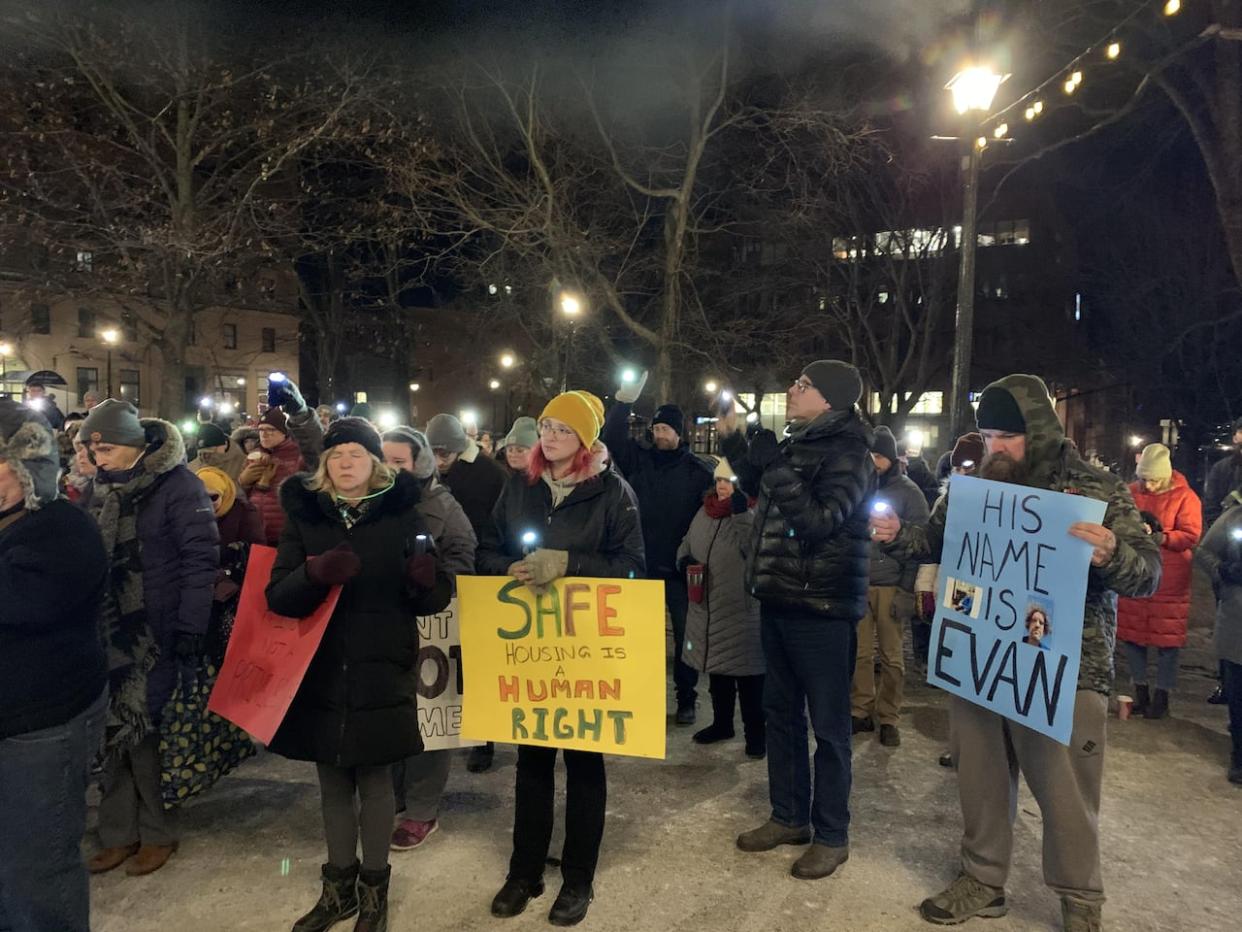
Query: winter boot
1218, 696
721, 728
1080, 916
480, 759
819, 861
1142, 701
772, 835
373, 900
859, 725
338, 901
1159, 704
964, 899
1235, 768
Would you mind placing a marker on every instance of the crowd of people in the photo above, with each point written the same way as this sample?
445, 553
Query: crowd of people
790, 568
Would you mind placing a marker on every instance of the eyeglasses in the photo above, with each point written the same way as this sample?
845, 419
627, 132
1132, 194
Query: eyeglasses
214, 496
563, 433
803, 385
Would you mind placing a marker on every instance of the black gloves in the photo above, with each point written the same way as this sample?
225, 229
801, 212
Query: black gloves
187, 654
765, 449
285, 395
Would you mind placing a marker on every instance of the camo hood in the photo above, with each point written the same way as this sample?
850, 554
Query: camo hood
1045, 437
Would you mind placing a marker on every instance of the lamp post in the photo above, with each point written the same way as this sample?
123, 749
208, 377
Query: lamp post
111, 338
973, 91
6, 350
571, 307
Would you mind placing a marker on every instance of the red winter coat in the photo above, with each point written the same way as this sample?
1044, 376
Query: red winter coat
1160, 620
286, 459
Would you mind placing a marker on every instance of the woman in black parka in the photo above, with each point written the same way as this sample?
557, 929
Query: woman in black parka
586, 519
354, 523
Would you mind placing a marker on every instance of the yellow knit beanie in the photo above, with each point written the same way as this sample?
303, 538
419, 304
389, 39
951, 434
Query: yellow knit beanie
580, 410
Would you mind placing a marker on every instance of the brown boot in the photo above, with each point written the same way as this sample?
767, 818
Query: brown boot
111, 858
149, 859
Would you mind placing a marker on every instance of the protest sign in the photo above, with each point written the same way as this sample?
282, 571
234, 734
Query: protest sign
440, 681
581, 666
267, 654
1008, 628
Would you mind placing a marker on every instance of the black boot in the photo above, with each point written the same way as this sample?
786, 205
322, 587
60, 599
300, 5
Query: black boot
571, 905
1235, 768
1142, 701
513, 897
338, 901
1159, 704
754, 725
480, 759
373, 900
1218, 696
723, 690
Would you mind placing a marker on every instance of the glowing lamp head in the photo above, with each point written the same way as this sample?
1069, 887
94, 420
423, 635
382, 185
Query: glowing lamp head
974, 89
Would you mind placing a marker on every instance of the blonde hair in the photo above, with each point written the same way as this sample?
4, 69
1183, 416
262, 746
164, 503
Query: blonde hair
1163, 484
382, 476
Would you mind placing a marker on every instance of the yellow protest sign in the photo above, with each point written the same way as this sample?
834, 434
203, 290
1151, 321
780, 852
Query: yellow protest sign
581, 666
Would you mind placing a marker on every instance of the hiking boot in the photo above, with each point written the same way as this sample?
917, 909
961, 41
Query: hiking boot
1159, 704
685, 714
571, 905
1080, 916
859, 725
410, 833
480, 759
819, 861
513, 897
772, 835
1218, 696
964, 899
890, 737
373, 900
713, 733
1142, 701
111, 858
338, 901
149, 859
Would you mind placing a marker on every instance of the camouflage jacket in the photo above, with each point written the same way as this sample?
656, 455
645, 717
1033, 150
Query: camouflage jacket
1054, 464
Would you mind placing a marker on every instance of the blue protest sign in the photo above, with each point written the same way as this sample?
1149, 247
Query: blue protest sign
1008, 628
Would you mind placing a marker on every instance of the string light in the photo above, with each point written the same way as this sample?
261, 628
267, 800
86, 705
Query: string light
1076, 77
1070, 87
1038, 107
1173, 7
982, 142
1114, 50
1001, 131
1030, 114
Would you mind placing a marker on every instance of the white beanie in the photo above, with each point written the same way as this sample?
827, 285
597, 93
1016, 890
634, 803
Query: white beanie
1154, 463
724, 470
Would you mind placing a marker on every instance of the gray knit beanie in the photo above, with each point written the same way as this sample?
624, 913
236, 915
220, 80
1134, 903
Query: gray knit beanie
524, 433
416, 440
28, 446
444, 432
114, 422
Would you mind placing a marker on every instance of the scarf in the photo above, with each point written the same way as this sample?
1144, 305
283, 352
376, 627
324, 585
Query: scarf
718, 508
561, 488
127, 637
351, 513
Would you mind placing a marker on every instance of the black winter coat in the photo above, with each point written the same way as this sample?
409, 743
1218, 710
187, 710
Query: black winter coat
811, 549
669, 484
357, 705
598, 524
52, 574
1224, 477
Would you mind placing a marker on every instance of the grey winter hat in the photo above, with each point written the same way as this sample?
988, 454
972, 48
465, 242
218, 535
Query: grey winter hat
115, 422
29, 448
424, 459
524, 433
837, 381
885, 444
444, 432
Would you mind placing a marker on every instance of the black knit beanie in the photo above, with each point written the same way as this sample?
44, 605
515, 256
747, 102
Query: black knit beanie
998, 410
885, 444
353, 430
672, 416
837, 381
210, 435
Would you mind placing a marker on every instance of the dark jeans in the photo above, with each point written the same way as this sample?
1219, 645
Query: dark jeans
810, 666
43, 777
586, 796
685, 677
357, 801
920, 639
1233, 694
747, 689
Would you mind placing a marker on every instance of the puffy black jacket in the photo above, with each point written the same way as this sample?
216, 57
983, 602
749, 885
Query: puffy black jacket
598, 524
811, 545
669, 485
357, 704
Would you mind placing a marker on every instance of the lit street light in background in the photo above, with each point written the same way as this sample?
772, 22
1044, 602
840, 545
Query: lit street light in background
494, 384
973, 91
414, 386
6, 350
507, 360
111, 338
571, 306
711, 387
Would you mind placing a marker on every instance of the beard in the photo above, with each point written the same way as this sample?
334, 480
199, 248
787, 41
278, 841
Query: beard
1001, 467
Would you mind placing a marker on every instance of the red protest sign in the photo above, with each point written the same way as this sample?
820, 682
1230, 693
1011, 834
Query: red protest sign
267, 655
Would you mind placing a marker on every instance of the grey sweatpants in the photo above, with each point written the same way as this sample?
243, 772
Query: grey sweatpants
418, 783
990, 751
132, 807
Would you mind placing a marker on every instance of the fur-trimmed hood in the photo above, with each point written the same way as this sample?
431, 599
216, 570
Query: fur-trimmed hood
29, 447
307, 505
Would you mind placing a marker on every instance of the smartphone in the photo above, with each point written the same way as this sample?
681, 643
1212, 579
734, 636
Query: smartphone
882, 508
420, 544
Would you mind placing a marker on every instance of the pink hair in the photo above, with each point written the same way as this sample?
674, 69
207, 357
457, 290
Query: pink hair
581, 466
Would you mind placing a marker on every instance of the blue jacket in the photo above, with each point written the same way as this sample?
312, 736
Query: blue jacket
669, 484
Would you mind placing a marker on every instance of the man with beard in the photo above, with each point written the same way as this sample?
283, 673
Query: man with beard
670, 482
1026, 445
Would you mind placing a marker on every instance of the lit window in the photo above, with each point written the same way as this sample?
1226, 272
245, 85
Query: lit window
85, 261
928, 403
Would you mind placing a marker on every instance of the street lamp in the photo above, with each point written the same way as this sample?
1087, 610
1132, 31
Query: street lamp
973, 91
6, 350
571, 306
494, 384
507, 361
111, 338
414, 386
710, 387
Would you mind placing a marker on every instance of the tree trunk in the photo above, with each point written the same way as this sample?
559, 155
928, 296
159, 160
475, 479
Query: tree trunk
172, 344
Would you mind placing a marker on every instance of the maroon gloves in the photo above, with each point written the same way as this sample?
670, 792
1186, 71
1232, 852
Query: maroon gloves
334, 567
926, 605
420, 572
